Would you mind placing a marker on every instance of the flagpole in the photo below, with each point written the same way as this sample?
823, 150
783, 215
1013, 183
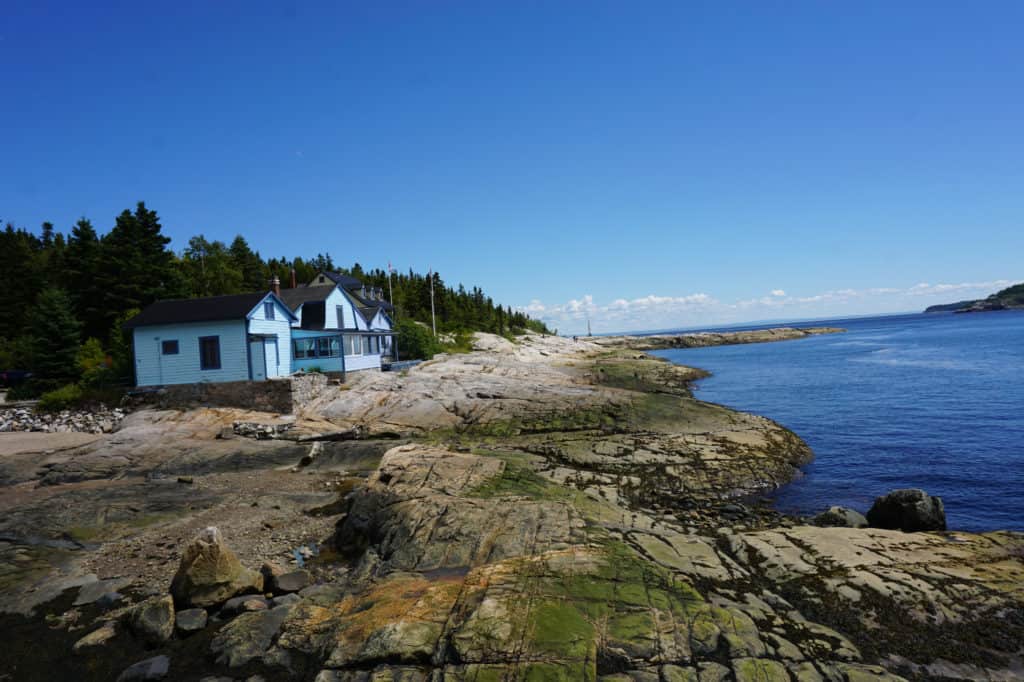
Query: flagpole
433, 319
391, 294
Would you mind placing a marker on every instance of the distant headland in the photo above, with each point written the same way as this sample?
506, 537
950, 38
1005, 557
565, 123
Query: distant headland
1011, 298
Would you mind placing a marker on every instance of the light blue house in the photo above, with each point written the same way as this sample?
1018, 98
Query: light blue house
333, 324
220, 338
342, 325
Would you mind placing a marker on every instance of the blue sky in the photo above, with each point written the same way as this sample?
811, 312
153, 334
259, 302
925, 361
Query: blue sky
647, 164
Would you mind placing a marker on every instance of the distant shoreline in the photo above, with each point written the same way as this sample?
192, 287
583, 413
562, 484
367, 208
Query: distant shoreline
706, 339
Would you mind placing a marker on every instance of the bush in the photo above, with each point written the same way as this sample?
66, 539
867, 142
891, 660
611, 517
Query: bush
94, 364
458, 342
415, 341
63, 398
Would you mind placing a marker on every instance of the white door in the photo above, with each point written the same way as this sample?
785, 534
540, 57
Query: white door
270, 350
257, 360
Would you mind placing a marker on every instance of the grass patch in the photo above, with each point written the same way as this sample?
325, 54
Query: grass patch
520, 479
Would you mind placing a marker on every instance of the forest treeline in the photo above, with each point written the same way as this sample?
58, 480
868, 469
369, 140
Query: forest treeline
65, 296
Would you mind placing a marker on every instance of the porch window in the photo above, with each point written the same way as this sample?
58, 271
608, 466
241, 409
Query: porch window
327, 347
319, 347
353, 345
304, 348
268, 310
209, 352
169, 347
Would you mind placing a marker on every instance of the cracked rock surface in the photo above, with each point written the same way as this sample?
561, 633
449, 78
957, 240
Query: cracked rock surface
534, 510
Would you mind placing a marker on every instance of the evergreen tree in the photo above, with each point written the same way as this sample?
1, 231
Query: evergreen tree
55, 337
81, 277
119, 341
136, 267
22, 276
254, 272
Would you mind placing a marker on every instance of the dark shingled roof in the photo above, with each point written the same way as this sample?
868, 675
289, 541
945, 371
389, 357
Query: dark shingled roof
367, 303
346, 281
352, 286
174, 311
293, 298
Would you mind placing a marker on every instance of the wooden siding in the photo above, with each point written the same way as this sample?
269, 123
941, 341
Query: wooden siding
354, 363
331, 310
280, 327
152, 368
380, 322
353, 319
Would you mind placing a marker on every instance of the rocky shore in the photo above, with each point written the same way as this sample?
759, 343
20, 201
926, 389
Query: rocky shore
704, 339
82, 421
537, 510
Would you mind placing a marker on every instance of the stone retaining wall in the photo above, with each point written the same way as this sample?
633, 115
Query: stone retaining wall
281, 396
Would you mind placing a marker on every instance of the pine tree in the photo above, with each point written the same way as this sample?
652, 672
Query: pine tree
80, 278
136, 267
55, 337
254, 272
22, 276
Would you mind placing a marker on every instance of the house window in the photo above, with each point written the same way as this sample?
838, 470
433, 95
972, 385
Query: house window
353, 345
341, 316
268, 310
320, 347
209, 352
323, 347
169, 347
304, 348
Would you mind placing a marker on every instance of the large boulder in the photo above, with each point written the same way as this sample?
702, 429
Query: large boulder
190, 620
210, 573
909, 510
153, 619
842, 517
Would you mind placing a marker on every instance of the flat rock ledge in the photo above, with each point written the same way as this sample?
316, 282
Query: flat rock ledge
542, 509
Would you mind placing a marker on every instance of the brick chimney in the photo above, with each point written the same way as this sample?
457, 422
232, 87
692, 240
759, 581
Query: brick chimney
293, 279
275, 286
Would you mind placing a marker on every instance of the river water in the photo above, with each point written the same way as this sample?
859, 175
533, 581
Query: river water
930, 401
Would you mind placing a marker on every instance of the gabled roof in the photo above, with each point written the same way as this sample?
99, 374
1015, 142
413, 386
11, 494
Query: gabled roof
209, 309
370, 303
345, 281
294, 298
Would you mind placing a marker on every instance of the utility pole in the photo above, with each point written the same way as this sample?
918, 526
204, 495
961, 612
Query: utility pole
433, 319
394, 314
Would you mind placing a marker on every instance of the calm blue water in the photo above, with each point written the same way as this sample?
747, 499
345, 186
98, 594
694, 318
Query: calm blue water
927, 401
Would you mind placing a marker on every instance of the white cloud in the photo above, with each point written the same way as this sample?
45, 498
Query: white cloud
653, 312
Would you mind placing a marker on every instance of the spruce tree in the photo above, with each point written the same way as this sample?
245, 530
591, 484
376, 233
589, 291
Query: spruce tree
136, 266
22, 276
81, 270
55, 338
254, 272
